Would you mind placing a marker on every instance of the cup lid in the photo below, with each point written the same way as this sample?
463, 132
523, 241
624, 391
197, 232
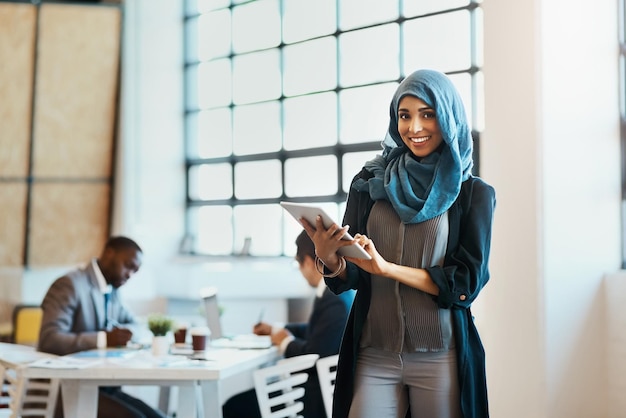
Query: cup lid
200, 331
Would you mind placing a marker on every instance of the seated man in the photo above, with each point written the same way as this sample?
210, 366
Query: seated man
320, 335
82, 311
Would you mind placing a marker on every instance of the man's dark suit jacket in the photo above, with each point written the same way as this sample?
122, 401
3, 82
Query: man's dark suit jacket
320, 335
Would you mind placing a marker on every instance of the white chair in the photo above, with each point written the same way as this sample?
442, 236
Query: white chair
326, 373
5, 400
27, 397
276, 386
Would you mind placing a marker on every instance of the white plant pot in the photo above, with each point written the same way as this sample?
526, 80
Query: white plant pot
160, 345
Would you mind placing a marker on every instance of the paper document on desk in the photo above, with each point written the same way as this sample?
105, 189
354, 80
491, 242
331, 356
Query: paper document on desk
244, 341
105, 353
63, 363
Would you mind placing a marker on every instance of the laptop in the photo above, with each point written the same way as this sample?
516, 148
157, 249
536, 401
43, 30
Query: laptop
218, 339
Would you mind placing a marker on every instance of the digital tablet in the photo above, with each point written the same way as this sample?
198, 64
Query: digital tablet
310, 212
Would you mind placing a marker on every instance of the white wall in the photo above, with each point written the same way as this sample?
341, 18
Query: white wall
551, 150
511, 306
149, 189
582, 198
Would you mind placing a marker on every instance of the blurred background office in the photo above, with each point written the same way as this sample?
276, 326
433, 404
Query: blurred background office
544, 85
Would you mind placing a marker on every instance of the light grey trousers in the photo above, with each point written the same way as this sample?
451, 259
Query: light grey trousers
387, 383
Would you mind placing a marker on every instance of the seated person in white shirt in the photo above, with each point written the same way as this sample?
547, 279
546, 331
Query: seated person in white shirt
75, 319
320, 335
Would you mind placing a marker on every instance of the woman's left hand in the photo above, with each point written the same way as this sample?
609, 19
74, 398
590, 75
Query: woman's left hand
410, 276
377, 265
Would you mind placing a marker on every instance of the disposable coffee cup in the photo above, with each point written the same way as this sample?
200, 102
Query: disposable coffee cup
180, 335
199, 338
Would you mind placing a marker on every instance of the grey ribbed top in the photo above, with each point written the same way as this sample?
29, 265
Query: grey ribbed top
402, 318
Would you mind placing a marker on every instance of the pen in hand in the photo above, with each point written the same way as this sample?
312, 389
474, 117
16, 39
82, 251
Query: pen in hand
261, 314
261, 328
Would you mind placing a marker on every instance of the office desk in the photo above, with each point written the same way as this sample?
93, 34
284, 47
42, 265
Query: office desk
203, 385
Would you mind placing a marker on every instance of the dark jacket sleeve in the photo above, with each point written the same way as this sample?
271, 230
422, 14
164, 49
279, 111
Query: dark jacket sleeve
465, 270
298, 330
325, 328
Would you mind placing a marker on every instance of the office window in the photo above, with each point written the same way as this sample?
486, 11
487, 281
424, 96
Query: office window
286, 99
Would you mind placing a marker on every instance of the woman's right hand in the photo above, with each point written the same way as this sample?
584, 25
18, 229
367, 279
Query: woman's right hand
326, 241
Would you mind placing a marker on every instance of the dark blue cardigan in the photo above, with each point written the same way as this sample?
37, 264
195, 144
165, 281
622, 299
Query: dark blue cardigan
460, 279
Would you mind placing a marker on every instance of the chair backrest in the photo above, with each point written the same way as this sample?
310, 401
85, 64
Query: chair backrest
26, 324
27, 396
5, 400
278, 388
326, 373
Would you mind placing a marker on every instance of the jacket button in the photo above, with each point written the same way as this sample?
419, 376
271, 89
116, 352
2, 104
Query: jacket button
462, 297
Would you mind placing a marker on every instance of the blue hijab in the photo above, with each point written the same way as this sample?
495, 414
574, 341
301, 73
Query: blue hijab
421, 189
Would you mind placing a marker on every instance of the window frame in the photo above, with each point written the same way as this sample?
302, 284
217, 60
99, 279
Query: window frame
339, 149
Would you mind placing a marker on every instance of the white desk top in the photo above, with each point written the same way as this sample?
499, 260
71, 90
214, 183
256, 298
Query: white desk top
139, 367
20, 354
220, 363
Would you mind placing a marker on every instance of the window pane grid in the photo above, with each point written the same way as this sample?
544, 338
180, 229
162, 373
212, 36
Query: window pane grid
278, 107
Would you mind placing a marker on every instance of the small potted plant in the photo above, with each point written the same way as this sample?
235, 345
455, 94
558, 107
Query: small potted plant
160, 325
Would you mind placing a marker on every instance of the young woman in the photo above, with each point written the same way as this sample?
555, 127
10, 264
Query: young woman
410, 347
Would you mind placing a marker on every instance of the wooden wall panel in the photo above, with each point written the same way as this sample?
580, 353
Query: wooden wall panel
75, 98
12, 223
17, 46
59, 70
69, 222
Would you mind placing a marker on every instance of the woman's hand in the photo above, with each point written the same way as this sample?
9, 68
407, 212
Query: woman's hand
326, 241
377, 265
410, 276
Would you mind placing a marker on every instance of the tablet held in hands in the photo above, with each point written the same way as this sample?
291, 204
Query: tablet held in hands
310, 212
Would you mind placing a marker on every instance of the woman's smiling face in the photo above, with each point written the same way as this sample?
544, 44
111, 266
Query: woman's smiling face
418, 127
